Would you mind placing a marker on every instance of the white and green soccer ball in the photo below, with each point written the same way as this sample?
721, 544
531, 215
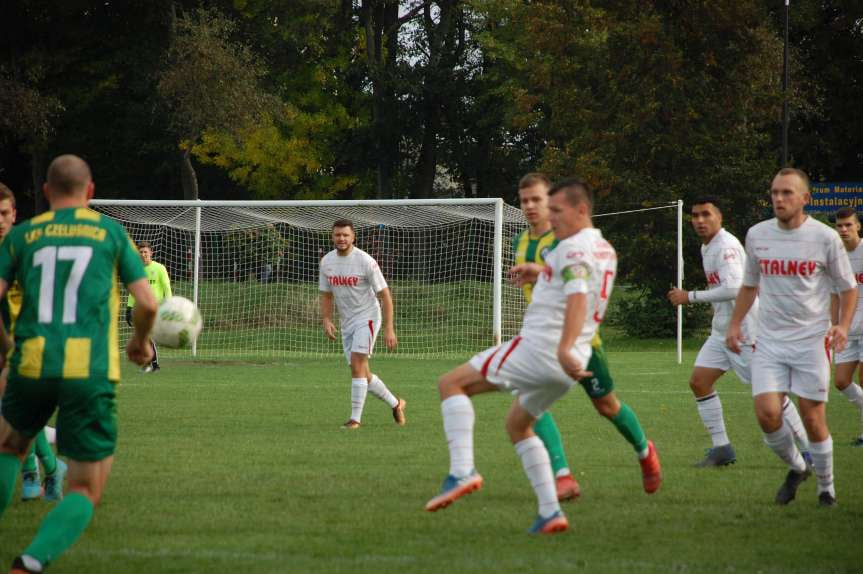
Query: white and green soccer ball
178, 323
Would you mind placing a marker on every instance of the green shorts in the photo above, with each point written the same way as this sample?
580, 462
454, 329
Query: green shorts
86, 413
601, 383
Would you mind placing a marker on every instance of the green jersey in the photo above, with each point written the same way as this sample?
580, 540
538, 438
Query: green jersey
160, 284
67, 263
529, 249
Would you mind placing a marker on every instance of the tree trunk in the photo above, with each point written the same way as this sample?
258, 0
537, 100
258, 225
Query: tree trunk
37, 171
187, 175
427, 165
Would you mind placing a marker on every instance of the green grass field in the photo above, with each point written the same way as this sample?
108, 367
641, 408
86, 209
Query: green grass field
242, 467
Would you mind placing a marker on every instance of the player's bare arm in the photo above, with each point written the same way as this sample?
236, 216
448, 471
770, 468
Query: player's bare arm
678, 296
138, 349
327, 315
524, 273
745, 299
387, 311
838, 333
834, 309
573, 322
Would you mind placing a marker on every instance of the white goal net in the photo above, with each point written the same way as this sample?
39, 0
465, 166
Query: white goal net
252, 267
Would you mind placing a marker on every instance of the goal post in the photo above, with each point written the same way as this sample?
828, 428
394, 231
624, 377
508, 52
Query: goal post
252, 268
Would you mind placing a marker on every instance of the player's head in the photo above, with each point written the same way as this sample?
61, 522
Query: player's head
570, 206
848, 225
706, 217
7, 210
789, 193
533, 197
343, 235
68, 178
146, 251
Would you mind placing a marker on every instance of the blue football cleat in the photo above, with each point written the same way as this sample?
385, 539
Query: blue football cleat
454, 488
807, 457
54, 482
31, 486
553, 524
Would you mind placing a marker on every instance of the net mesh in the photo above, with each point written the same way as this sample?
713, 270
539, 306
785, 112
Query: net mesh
258, 272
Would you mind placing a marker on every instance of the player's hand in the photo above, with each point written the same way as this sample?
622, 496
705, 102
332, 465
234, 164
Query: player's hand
571, 365
139, 351
733, 338
524, 273
678, 296
390, 338
330, 329
837, 338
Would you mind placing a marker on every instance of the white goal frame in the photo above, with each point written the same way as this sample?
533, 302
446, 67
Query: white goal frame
496, 203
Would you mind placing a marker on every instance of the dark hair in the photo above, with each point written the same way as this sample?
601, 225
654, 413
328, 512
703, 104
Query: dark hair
798, 172
344, 223
708, 199
847, 211
143, 244
576, 190
6, 193
533, 178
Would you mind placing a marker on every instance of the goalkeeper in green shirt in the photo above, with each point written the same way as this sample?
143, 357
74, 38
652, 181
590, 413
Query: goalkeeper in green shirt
160, 284
66, 356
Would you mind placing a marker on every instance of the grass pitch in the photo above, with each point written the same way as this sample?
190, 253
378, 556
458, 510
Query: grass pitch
243, 468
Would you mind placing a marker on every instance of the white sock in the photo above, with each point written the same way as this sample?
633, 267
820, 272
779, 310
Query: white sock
359, 387
710, 411
537, 466
791, 417
31, 563
854, 394
782, 443
458, 417
822, 460
380, 390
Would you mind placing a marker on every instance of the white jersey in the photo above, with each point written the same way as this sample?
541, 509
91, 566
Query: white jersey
724, 259
583, 263
354, 280
856, 259
795, 271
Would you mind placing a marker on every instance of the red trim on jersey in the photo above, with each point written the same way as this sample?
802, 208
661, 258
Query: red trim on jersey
512, 347
372, 328
484, 370
827, 347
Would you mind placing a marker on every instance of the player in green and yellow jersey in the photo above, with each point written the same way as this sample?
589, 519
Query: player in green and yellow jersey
531, 246
160, 285
66, 350
10, 306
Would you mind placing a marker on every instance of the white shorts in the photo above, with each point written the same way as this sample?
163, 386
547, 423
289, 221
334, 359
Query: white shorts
852, 353
714, 354
800, 367
361, 339
533, 375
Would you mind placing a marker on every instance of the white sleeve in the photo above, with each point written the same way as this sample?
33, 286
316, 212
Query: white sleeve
375, 277
714, 295
839, 266
752, 272
323, 284
730, 271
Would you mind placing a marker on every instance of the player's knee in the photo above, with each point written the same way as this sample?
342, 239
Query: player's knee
607, 406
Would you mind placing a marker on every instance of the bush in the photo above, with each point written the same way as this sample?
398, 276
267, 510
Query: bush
645, 315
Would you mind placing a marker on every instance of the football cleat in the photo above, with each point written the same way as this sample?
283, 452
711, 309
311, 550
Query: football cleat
718, 456
807, 457
567, 487
147, 369
788, 490
555, 523
651, 473
54, 483
858, 442
18, 567
351, 424
825, 499
31, 486
399, 412
454, 488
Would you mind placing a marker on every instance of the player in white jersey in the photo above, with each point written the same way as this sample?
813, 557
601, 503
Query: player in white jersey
848, 226
351, 277
551, 353
793, 262
723, 259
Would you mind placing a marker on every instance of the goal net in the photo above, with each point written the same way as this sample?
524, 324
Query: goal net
252, 268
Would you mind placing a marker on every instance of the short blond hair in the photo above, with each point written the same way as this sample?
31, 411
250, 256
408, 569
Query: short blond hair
533, 178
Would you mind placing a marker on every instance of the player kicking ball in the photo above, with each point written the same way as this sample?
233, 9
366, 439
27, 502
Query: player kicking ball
352, 278
551, 353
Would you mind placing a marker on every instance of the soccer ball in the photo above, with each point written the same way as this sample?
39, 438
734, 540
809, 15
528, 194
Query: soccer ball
178, 323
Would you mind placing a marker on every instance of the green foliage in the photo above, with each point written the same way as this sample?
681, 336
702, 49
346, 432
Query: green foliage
642, 315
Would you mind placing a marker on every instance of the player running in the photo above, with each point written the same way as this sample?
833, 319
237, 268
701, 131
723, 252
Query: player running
846, 361
352, 278
66, 356
793, 262
160, 285
723, 259
551, 353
